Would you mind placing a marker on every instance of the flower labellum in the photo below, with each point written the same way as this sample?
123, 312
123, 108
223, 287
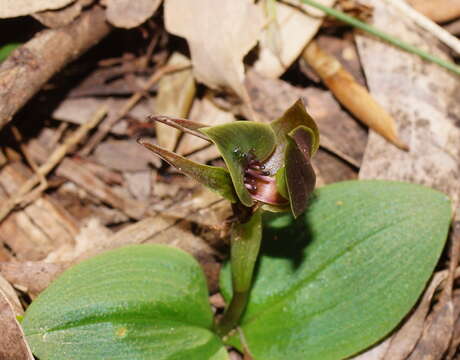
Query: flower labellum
267, 164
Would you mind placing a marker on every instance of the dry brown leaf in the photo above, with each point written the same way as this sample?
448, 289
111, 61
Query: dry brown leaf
456, 333
31, 276
139, 184
13, 345
124, 155
175, 97
128, 14
219, 34
60, 17
352, 95
439, 327
439, 11
92, 235
13, 8
201, 206
375, 353
79, 110
423, 99
296, 26
329, 169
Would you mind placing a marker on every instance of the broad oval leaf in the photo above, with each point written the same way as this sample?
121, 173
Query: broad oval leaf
141, 302
342, 276
238, 143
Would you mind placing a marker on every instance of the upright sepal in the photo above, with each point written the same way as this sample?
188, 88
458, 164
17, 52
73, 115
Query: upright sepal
300, 177
295, 116
215, 178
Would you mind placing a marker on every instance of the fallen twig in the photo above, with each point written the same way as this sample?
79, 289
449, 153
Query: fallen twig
30, 66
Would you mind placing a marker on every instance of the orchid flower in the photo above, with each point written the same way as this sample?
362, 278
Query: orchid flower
268, 165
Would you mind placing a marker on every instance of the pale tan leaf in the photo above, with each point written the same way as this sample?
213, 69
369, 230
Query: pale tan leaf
128, 14
13, 345
13, 8
31, 276
60, 17
296, 28
219, 34
175, 97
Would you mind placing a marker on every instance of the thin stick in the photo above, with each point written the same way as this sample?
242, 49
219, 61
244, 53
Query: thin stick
42, 179
53, 160
390, 39
130, 103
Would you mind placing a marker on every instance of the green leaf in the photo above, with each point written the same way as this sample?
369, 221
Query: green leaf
215, 178
300, 177
141, 302
341, 277
294, 117
240, 142
7, 49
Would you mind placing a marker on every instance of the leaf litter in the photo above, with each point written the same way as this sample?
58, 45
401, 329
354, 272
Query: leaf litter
213, 63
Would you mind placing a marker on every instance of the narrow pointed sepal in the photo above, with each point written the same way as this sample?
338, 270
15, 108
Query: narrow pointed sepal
187, 126
214, 178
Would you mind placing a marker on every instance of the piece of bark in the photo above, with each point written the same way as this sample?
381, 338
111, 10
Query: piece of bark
37, 229
31, 65
351, 94
423, 98
13, 345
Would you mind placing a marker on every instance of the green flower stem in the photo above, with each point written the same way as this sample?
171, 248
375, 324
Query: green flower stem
388, 38
245, 245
